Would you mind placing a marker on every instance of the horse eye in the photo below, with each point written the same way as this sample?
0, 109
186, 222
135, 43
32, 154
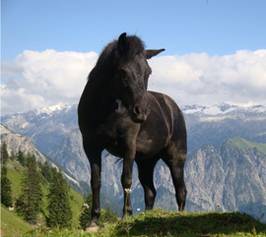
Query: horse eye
123, 78
122, 74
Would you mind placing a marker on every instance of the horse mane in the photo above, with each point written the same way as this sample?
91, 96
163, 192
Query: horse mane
111, 56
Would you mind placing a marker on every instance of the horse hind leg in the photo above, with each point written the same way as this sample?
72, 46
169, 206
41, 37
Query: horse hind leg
145, 170
175, 159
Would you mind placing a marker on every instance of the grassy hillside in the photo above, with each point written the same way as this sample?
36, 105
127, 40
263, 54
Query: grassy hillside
15, 174
153, 223
244, 144
11, 224
161, 223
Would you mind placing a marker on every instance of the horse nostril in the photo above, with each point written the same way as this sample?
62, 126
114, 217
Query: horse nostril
136, 110
139, 115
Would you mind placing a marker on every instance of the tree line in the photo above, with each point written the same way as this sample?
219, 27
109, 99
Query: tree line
29, 204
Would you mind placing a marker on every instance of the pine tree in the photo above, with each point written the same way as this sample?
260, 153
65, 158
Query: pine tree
46, 171
21, 158
28, 205
59, 211
4, 153
85, 216
6, 195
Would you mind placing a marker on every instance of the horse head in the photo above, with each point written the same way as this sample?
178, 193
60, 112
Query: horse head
131, 75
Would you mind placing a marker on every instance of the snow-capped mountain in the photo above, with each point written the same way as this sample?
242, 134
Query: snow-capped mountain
211, 113
53, 109
215, 124
224, 108
211, 179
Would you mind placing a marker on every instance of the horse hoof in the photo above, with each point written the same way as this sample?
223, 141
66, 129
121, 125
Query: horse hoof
92, 228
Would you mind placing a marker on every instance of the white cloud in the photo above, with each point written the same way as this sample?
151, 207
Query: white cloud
37, 79
204, 79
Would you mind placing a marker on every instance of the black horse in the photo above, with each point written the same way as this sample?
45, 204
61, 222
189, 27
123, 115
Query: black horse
117, 113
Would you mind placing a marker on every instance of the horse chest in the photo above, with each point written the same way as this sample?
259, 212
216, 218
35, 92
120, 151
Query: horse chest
115, 133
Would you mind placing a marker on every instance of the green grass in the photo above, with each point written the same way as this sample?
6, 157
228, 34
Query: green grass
153, 223
244, 144
15, 174
12, 225
162, 223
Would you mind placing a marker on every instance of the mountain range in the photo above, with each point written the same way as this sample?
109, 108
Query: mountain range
18, 143
225, 168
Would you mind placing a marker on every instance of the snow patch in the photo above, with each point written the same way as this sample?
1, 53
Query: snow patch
53, 108
223, 109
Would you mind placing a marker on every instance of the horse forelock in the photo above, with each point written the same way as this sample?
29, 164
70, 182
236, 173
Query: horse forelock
135, 46
111, 56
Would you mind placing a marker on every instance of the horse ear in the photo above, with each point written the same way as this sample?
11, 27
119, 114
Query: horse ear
122, 42
149, 53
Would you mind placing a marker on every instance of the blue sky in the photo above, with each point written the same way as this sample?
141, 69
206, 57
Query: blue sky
211, 26
215, 49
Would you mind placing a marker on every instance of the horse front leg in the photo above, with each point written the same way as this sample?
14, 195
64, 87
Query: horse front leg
94, 156
126, 179
95, 164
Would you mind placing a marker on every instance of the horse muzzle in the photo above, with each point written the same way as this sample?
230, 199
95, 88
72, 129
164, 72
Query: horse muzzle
139, 115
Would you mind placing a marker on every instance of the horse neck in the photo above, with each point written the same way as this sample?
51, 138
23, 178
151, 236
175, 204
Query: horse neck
99, 96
